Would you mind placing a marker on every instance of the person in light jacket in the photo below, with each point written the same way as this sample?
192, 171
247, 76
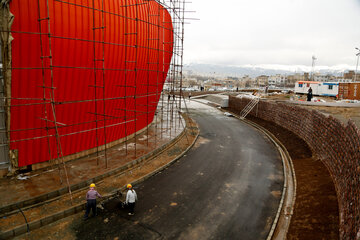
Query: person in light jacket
131, 198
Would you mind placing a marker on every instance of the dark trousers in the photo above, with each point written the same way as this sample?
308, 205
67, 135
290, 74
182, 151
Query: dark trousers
90, 205
131, 207
309, 97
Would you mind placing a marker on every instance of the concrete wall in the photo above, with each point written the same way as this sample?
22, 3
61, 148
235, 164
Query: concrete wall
336, 144
222, 100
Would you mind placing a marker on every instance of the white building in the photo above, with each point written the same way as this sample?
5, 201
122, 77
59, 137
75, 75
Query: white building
277, 80
321, 78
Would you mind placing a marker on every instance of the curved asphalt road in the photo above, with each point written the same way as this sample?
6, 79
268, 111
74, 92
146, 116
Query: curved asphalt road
226, 187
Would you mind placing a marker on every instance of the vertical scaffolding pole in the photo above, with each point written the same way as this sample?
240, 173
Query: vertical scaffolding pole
149, 39
40, 19
95, 87
157, 74
52, 97
163, 70
126, 35
136, 70
103, 76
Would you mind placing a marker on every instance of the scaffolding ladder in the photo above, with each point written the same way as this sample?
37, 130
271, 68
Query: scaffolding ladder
249, 107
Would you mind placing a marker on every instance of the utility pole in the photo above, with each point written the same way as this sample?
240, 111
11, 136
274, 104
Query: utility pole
357, 62
312, 68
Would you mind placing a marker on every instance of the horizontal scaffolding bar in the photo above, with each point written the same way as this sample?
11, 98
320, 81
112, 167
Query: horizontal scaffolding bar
48, 120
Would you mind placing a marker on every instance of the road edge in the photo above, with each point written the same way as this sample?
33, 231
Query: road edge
285, 211
281, 223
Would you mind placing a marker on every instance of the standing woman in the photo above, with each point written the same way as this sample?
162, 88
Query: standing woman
309, 95
131, 198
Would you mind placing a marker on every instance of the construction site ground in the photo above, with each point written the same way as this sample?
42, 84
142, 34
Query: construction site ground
31, 185
316, 209
231, 173
343, 111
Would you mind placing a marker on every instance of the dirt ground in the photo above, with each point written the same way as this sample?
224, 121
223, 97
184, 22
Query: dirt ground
297, 97
342, 113
316, 214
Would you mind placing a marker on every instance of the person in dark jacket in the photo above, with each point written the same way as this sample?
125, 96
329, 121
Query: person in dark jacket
91, 196
309, 95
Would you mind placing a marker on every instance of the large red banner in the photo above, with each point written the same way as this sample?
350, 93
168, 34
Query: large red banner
92, 69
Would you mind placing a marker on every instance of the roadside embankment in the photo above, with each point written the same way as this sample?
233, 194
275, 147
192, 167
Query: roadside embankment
334, 143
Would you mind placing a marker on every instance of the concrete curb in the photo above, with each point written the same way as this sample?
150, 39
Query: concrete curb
80, 207
281, 223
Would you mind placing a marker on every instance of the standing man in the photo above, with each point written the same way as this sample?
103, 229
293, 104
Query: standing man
91, 196
131, 198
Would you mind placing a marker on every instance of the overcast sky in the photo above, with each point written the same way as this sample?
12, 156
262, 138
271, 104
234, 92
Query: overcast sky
273, 32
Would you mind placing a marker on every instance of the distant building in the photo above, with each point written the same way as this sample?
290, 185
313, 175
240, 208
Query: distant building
262, 80
306, 77
230, 82
323, 78
277, 80
349, 75
342, 80
292, 79
272, 81
245, 82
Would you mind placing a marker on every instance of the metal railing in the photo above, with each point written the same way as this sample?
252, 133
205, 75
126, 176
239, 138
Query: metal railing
249, 107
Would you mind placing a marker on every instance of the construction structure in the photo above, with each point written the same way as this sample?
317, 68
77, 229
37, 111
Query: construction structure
79, 77
312, 68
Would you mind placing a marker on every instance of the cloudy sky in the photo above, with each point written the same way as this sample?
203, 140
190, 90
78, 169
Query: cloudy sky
273, 32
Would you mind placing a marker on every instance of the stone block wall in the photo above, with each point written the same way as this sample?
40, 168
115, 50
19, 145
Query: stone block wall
336, 144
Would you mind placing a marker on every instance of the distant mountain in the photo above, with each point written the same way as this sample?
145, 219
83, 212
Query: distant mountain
253, 71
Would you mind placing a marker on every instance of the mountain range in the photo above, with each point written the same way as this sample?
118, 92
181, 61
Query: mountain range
257, 70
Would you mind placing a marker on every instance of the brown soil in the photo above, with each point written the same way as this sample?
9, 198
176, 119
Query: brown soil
316, 214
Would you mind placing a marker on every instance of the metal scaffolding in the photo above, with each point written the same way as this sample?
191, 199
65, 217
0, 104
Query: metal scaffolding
137, 103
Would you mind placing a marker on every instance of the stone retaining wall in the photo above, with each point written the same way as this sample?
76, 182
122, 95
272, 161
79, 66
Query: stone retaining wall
336, 144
